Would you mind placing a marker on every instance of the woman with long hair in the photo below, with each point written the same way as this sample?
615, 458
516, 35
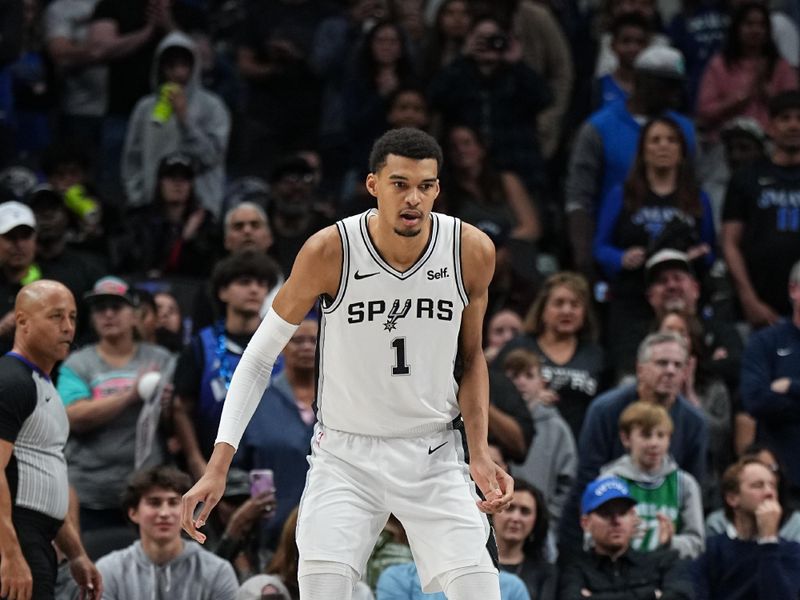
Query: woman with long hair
560, 328
444, 41
660, 206
521, 532
497, 203
382, 64
740, 79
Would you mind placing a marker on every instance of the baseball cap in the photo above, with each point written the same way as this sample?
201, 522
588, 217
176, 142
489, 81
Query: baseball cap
604, 490
110, 287
15, 214
661, 61
176, 163
668, 258
745, 125
237, 484
43, 197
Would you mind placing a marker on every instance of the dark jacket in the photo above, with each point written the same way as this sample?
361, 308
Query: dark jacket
633, 576
734, 569
773, 353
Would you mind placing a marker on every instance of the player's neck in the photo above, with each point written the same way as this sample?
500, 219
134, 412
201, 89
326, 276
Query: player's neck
400, 251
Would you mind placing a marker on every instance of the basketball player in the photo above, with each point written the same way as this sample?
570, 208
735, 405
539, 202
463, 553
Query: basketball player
402, 290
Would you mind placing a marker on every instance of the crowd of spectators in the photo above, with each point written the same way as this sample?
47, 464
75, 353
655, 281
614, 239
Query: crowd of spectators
635, 162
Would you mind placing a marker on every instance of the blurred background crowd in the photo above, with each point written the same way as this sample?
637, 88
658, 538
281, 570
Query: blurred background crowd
635, 162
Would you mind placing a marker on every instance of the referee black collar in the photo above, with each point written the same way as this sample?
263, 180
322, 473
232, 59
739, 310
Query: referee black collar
24, 360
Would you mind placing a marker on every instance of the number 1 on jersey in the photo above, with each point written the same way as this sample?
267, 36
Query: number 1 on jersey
400, 367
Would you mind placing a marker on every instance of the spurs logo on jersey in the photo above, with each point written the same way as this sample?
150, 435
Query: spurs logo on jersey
424, 308
392, 340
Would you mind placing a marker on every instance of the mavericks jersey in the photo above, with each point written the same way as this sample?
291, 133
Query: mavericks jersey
388, 340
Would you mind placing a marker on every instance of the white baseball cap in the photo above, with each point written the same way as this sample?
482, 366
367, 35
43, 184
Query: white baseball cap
15, 214
661, 61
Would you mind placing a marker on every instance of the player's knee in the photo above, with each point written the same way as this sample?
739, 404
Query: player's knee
326, 567
471, 583
322, 579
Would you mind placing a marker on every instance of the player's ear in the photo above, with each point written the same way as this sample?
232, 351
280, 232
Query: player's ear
372, 185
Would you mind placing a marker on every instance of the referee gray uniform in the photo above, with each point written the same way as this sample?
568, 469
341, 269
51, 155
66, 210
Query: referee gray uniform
33, 419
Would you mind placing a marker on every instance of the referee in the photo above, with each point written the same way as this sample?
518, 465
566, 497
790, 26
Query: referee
34, 491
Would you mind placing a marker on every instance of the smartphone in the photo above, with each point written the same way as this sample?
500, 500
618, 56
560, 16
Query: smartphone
261, 481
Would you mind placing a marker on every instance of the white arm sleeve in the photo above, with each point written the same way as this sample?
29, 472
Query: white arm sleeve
251, 376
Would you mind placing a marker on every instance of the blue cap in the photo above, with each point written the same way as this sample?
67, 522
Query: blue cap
603, 490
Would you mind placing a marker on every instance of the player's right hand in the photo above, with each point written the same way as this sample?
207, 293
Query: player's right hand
208, 490
16, 581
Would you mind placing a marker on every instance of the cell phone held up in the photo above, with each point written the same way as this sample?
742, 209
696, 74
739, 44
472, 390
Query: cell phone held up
261, 480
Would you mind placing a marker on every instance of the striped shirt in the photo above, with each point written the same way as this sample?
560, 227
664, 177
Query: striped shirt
33, 419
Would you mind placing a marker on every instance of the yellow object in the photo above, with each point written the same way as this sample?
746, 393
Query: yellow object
162, 111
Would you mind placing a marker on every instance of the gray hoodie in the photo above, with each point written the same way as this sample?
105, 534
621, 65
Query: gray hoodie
689, 541
204, 137
552, 459
195, 574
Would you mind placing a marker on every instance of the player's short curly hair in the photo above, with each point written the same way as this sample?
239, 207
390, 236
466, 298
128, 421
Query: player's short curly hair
406, 142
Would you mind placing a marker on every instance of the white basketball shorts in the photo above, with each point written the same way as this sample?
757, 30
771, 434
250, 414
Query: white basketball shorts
355, 482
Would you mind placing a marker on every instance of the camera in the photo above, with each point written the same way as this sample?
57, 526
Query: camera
498, 42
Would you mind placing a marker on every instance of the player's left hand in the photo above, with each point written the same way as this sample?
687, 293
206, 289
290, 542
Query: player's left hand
87, 577
497, 485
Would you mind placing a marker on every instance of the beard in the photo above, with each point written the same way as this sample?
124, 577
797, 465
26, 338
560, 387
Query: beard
408, 232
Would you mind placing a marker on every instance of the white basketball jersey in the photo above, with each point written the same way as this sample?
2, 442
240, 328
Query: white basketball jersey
388, 341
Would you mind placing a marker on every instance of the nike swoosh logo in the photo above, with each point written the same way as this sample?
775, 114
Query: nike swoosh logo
364, 276
432, 450
784, 351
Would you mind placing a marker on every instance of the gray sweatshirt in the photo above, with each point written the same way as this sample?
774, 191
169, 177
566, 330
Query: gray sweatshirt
552, 459
195, 574
689, 540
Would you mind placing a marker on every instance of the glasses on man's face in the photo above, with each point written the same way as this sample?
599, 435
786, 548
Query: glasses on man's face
101, 306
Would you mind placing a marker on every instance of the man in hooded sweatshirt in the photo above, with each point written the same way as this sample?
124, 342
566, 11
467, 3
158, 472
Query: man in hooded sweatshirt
178, 116
162, 564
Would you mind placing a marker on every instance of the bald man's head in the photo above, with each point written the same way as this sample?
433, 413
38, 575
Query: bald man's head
45, 314
36, 294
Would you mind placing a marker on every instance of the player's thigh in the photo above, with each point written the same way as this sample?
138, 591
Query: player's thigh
435, 499
342, 510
